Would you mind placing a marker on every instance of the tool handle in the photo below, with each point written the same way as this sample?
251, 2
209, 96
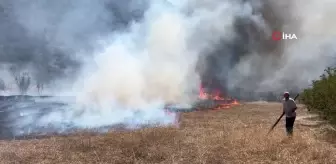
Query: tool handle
296, 97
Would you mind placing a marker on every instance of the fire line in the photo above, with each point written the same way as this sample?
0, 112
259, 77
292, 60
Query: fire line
221, 102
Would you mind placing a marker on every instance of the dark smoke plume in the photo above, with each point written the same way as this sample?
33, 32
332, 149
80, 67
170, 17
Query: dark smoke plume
253, 64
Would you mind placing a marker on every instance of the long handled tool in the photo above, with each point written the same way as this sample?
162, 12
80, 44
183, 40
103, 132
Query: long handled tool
276, 123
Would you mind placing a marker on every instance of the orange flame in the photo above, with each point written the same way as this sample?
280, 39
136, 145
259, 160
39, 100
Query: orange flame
202, 94
216, 95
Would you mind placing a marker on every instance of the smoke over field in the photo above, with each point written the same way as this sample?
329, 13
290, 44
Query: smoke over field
142, 54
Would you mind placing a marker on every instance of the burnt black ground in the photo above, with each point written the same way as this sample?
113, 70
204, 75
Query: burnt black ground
20, 116
15, 109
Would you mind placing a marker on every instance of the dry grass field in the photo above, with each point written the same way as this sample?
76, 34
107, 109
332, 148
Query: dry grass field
236, 135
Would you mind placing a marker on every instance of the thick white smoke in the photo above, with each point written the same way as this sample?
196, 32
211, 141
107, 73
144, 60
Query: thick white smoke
154, 61
156, 58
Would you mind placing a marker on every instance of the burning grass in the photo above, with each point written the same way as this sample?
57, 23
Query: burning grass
237, 135
220, 101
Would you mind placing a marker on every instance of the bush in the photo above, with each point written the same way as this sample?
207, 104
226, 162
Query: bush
320, 98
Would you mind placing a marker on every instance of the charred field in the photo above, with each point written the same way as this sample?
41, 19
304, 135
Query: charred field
24, 117
232, 135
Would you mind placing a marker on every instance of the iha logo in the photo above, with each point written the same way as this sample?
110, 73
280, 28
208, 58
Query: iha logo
277, 35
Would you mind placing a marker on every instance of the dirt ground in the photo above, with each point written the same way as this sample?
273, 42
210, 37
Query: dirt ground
236, 135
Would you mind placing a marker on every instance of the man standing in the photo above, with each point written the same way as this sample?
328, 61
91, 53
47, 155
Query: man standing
289, 108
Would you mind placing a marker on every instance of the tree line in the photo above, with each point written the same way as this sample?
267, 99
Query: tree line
320, 97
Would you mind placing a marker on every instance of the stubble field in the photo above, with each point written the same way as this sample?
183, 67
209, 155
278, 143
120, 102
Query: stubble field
236, 135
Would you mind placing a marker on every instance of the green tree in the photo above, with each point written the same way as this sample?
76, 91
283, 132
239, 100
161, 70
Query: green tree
320, 98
